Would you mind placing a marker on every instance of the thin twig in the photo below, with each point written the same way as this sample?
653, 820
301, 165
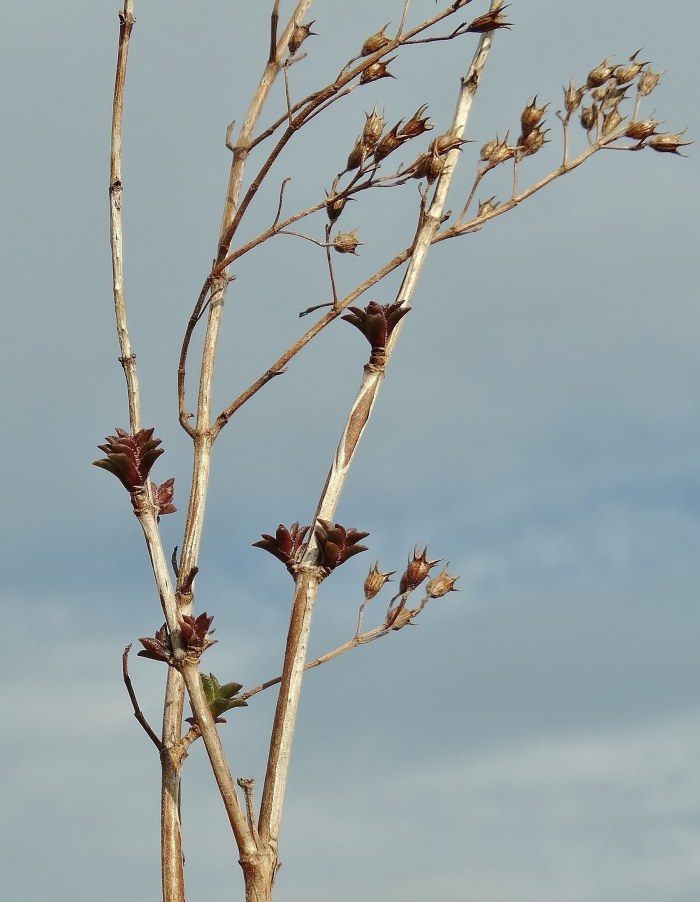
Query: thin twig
138, 713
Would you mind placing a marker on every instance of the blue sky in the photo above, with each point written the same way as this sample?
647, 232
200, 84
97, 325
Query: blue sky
535, 738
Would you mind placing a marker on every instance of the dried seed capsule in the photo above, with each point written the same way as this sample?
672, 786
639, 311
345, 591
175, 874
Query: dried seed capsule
335, 206
441, 584
375, 581
489, 21
648, 81
611, 121
502, 152
389, 143
531, 116
375, 42
299, 34
416, 570
375, 71
445, 143
486, 207
640, 129
488, 149
600, 74
373, 128
573, 97
357, 155
589, 117
346, 242
530, 143
417, 124
669, 142
624, 74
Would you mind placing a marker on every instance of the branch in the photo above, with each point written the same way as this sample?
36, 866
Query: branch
127, 357
308, 581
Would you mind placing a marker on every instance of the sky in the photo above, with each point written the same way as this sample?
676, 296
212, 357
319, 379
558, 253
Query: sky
536, 736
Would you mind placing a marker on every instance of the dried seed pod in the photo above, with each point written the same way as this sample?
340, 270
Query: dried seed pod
416, 570
441, 584
357, 155
428, 166
501, 152
299, 34
373, 128
611, 121
573, 97
609, 96
375, 71
533, 141
640, 129
374, 583
389, 143
335, 206
375, 42
417, 124
600, 74
669, 142
488, 149
648, 81
490, 21
624, 74
445, 143
486, 207
531, 116
589, 117
346, 242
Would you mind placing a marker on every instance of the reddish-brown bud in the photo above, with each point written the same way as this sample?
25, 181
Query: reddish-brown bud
337, 544
285, 544
196, 632
346, 242
375, 42
377, 322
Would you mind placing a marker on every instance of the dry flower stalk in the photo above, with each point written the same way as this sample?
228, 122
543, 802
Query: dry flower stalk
311, 554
